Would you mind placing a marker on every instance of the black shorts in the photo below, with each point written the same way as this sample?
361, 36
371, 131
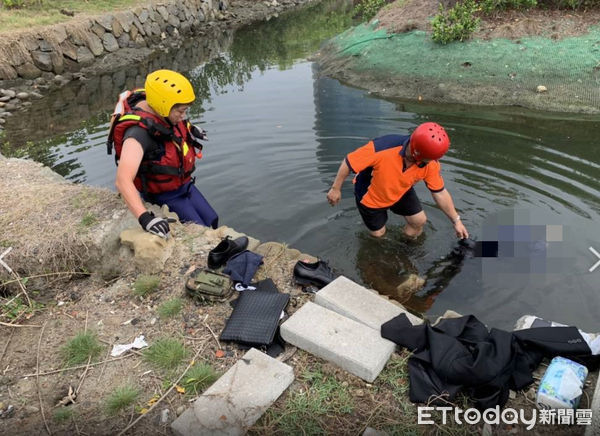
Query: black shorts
375, 219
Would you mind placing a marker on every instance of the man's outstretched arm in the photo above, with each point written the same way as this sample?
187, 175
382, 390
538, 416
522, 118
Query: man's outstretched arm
444, 202
335, 193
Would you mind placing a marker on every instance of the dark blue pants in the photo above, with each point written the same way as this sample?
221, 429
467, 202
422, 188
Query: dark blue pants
188, 203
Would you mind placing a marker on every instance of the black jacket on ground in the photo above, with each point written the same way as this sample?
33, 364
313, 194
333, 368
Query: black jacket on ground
461, 355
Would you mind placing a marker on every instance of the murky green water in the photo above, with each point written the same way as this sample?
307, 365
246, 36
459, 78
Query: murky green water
278, 133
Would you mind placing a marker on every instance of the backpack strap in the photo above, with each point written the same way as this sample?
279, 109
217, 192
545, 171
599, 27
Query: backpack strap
123, 109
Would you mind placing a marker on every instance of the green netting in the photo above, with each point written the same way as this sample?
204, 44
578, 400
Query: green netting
498, 71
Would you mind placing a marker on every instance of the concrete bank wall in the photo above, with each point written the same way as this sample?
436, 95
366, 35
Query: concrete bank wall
97, 91
70, 46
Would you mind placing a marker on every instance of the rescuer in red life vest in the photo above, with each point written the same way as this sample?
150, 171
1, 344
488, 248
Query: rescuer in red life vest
156, 148
387, 168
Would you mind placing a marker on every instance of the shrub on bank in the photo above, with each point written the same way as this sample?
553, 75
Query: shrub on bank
12, 4
367, 9
460, 21
456, 24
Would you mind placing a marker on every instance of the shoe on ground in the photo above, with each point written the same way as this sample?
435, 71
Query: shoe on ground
317, 274
225, 250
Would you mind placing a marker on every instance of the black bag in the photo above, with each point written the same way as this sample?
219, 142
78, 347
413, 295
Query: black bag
256, 315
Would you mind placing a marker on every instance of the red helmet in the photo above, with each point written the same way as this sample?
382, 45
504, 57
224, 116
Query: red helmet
429, 141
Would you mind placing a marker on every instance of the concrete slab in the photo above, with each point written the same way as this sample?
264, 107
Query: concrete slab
238, 398
370, 431
351, 345
360, 304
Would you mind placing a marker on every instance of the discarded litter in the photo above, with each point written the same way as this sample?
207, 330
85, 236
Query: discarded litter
6, 411
240, 287
69, 398
561, 386
138, 343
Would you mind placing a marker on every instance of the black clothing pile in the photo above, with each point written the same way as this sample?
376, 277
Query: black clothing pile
461, 355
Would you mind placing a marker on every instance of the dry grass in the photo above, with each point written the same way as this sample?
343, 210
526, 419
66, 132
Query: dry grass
41, 217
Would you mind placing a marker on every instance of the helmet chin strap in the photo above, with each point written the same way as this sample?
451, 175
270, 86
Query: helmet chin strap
411, 158
410, 155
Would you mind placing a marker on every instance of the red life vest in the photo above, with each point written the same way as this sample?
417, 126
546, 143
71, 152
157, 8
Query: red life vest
164, 167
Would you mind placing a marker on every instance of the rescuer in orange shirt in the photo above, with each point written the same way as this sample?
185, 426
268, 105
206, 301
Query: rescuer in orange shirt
387, 168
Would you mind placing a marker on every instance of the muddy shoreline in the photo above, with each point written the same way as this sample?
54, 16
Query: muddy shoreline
429, 91
515, 58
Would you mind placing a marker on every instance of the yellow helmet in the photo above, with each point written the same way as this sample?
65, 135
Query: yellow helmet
166, 88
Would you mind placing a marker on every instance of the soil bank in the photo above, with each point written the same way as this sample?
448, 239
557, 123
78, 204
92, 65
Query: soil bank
545, 60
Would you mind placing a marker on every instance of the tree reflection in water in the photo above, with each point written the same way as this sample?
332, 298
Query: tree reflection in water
75, 117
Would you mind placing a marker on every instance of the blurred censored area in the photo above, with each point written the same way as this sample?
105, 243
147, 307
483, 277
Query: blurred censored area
521, 246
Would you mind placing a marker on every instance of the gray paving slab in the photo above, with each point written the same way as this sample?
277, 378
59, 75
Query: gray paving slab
360, 304
355, 347
370, 431
235, 401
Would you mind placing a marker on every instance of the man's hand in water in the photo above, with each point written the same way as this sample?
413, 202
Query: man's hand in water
334, 196
460, 229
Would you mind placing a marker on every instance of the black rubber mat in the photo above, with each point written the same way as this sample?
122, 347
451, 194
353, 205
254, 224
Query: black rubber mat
255, 318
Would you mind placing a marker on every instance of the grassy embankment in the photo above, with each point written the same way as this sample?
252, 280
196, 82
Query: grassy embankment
22, 14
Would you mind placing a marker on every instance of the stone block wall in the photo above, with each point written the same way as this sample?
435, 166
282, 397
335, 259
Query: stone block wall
70, 46
98, 93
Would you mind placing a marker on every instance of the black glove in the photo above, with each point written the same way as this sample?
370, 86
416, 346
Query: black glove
152, 224
197, 133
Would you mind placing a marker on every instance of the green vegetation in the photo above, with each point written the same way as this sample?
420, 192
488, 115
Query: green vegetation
89, 219
83, 346
16, 308
455, 24
278, 42
5, 244
367, 9
490, 6
394, 377
18, 14
63, 415
145, 284
460, 21
165, 353
12, 4
170, 308
306, 409
198, 378
120, 399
